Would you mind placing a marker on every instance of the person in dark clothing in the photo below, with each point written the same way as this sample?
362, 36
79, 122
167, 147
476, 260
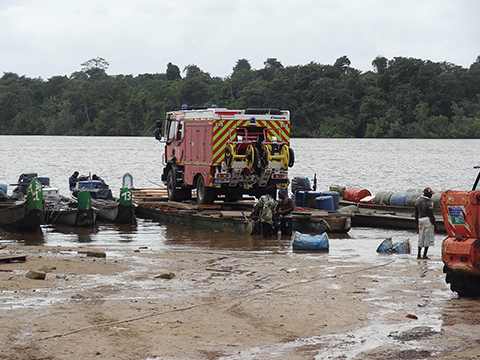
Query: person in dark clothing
425, 220
72, 181
285, 208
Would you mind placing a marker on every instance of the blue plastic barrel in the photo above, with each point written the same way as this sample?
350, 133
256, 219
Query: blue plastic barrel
402, 247
325, 202
4, 187
299, 198
336, 197
399, 198
399, 247
309, 198
310, 242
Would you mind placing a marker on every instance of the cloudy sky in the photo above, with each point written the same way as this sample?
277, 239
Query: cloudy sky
44, 38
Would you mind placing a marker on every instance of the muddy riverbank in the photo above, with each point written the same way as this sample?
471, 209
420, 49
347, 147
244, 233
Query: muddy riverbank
230, 305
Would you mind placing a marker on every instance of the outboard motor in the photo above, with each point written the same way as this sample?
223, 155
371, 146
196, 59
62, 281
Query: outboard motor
23, 181
300, 184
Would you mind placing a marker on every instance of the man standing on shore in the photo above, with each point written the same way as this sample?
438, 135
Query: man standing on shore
425, 220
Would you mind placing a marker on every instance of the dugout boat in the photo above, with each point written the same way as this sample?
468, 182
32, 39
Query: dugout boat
229, 216
111, 209
26, 212
72, 212
58, 209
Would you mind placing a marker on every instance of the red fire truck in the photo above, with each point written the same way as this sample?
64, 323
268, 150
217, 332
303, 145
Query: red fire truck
220, 151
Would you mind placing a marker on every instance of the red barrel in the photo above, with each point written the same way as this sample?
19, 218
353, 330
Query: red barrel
355, 194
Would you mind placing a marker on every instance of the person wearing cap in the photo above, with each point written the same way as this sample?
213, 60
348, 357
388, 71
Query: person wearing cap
425, 221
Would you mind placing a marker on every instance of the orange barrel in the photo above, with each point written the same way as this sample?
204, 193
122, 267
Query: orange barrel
355, 194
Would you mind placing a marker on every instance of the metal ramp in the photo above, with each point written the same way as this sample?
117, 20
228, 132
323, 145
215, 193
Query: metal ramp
236, 176
265, 176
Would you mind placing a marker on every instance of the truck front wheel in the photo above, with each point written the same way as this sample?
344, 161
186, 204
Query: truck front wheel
171, 191
205, 194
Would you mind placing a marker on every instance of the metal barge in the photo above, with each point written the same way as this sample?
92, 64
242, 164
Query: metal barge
230, 217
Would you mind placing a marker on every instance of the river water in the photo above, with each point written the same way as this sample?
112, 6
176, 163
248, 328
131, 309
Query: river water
375, 164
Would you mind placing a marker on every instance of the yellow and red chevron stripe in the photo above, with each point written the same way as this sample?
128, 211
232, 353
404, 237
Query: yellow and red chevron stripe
276, 128
228, 131
221, 134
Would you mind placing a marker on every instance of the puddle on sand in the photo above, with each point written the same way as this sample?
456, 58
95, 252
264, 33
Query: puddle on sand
349, 345
333, 346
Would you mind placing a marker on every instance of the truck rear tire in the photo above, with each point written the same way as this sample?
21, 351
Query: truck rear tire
205, 194
463, 285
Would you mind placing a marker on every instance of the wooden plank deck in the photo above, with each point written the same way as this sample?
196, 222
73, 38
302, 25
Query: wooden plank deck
12, 258
228, 216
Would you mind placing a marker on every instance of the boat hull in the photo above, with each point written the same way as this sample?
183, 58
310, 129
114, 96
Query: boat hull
71, 217
237, 226
385, 216
17, 216
106, 212
114, 212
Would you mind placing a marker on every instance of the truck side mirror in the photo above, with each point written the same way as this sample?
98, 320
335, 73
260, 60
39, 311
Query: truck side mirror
158, 130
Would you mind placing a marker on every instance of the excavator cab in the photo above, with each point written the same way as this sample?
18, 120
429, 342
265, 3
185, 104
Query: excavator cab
461, 248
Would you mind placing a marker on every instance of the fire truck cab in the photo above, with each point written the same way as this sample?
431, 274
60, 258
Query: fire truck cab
220, 151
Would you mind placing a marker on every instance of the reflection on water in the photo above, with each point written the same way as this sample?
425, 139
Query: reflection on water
22, 237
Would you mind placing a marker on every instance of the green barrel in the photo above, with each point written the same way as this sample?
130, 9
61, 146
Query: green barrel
35, 196
126, 197
84, 200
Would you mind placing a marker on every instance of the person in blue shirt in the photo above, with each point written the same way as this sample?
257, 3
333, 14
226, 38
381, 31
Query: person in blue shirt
72, 181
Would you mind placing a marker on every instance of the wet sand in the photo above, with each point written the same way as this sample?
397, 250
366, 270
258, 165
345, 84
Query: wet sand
231, 305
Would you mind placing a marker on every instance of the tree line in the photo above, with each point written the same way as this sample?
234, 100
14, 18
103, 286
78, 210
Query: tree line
401, 98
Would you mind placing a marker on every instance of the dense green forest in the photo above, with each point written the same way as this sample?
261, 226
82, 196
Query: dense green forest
402, 97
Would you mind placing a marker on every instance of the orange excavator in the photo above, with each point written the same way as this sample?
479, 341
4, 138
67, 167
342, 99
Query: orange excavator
461, 249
